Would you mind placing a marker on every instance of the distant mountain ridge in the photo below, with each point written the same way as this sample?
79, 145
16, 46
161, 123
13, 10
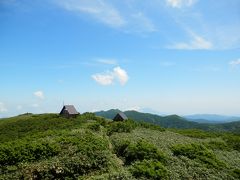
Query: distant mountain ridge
211, 118
172, 121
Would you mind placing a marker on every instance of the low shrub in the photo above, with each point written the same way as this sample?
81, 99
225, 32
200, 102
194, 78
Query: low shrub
24, 151
143, 150
82, 153
198, 152
68, 167
30, 125
95, 127
102, 121
138, 151
120, 147
216, 145
123, 126
196, 133
236, 173
123, 175
151, 126
149, 169
85, 142
89, 116
233, 141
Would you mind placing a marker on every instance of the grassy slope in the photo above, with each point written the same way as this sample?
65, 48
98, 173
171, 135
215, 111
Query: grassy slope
84, 148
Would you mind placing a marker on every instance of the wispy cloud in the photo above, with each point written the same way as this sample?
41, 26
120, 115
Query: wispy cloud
235, 63
196, 43
108, 13
109, 77
107, 61
3, 107
168, 64
141, 23
98, 9
180, 3
39, 94
164, 18
214, 33
213, 69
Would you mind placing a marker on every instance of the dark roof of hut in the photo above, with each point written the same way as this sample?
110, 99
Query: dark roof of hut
70, 108
122, 115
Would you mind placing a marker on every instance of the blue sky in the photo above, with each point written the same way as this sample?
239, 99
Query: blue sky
167, 56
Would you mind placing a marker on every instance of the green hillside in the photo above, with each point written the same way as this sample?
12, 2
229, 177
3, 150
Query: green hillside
173, 121
47, 146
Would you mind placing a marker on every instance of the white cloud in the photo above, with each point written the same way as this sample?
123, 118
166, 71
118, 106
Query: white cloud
235, 63
3, 108
121, 75
107, 61
109, 77
196, 42
98, 9
39, 94
180, 3
104, 79
134, 108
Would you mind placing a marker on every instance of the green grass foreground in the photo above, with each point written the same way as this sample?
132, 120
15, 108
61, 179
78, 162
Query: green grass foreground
48, 146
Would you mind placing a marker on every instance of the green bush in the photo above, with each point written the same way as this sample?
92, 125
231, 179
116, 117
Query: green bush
130, 151
196, 133
95, 127
198, 152
120, 147
217, 145
89, 116
151, 126
124, 126
28, 125
122, 175
85, 141
149, 169
233, 141
82, 153
142, 150
102, 121
24, 151
68, 167
236, 173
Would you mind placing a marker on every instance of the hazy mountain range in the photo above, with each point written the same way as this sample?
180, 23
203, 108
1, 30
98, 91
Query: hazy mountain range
173, 121
211, 118
201, 118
